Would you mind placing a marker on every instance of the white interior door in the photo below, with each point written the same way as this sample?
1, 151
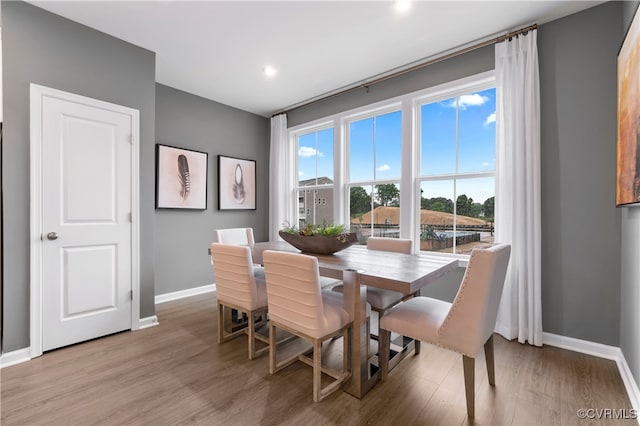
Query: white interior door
86, 219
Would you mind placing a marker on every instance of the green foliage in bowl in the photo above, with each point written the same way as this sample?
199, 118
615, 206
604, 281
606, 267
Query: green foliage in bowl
311, 230
318, 239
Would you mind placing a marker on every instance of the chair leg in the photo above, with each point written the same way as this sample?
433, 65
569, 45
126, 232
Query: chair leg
251, 330
220, 323
272, 348
416, 343
346, 354
317, 369
488, 355
469, 386
315, 361
384, 345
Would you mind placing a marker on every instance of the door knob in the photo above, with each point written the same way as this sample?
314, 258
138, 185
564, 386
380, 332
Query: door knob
52, 235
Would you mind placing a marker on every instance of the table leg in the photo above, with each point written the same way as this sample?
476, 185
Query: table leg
355, 299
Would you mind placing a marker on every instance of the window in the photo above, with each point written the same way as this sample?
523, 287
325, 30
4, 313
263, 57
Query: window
375, 151
315, 176
433, 149
457, 172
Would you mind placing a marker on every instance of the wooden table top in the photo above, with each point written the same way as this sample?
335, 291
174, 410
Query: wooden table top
405, 273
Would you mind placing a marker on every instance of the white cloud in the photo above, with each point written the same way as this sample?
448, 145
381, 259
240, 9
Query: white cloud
307, 151
384, 168
472, 100
465, 101
490, 119
300, 173
485, 164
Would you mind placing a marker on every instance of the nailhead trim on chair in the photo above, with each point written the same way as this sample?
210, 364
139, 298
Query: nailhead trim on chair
456, 303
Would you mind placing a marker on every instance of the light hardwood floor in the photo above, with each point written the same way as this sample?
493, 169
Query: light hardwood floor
176, 373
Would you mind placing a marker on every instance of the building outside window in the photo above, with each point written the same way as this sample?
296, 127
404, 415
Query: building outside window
315, 177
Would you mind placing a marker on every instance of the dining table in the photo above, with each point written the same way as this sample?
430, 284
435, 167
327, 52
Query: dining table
358, 268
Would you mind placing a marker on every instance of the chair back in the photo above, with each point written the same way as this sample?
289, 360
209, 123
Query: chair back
235, 236
472, 317
233, 270
389, 244
293, 291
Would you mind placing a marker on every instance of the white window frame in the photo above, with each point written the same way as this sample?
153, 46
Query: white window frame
455, 176
410, 178
294, 135
371, 113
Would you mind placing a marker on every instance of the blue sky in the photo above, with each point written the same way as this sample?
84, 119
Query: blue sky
315, 150
379, 158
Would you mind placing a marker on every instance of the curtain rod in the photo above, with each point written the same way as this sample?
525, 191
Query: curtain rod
366, 85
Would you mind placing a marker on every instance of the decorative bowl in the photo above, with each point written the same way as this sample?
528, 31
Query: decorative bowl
320, 244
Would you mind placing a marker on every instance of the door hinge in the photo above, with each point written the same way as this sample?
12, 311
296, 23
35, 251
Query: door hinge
130, 217
131, 139
130, 294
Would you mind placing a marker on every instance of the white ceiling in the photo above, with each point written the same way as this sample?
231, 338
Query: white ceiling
217, 49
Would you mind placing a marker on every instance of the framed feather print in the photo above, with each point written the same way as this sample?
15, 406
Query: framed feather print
181, 178
236, 183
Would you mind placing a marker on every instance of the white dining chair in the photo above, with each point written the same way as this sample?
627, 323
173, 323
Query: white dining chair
242, 287
464, 326
298, 305
235, 236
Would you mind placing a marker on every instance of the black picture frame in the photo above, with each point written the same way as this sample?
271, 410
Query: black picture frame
182, 176
236, 183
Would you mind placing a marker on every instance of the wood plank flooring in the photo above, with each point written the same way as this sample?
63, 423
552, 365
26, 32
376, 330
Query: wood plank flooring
176, 373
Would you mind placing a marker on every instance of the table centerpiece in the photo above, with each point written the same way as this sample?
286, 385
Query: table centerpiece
319, 239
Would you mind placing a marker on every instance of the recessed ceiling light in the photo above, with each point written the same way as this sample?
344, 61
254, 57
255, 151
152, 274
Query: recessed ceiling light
402, 5
269, 71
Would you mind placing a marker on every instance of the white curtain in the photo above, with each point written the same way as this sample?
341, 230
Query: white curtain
280, 183
518, 186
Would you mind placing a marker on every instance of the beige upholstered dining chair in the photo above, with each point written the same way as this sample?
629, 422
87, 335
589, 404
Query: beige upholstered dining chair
379, 298
242, 287
298, 304
235, 236
398, 245
463, 326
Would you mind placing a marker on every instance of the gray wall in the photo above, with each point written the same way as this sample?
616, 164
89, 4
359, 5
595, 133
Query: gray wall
182, 237
630, 290
580, 225
462, 66
630, 279
43, 48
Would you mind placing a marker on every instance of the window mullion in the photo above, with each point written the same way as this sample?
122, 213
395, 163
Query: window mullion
455, 180
410, 161
340, 159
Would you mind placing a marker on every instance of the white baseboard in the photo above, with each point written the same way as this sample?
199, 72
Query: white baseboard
629, 383
167, 297
148, 322
582, 346
602, 351
16, 357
